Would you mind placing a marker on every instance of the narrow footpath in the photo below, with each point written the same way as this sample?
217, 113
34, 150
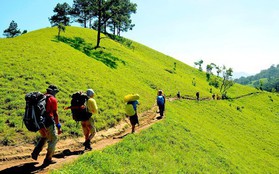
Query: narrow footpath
17, 159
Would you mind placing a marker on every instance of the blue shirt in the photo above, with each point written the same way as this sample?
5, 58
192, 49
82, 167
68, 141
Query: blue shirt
134, 103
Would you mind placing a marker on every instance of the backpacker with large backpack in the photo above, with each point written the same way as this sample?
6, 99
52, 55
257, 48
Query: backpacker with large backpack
129, 109
35, 111
79, 113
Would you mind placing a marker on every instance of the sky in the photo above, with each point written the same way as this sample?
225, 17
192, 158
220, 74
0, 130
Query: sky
239, 34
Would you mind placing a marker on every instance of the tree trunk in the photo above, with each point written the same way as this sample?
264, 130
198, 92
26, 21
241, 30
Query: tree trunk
99, 24
59, 30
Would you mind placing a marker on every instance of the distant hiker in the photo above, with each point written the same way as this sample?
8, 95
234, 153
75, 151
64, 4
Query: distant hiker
198, 95
213, 96
48, 132
161, 100
178, 94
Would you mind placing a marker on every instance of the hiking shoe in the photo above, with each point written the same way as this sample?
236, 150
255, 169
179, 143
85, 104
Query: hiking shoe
159, 117
86, 143
48, 162
34, 156
88, 147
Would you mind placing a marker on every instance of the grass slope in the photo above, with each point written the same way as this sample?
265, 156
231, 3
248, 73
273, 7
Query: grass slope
34, 60
197, 137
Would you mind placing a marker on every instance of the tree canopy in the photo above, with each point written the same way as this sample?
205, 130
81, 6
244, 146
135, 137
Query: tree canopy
100, 14
12, 31
61, 18
62, 15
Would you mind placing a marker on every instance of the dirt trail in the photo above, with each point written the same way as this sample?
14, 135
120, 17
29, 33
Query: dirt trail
18, 160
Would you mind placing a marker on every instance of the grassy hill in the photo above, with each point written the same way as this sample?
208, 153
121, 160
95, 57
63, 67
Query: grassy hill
197, 137
213, 135
34, 60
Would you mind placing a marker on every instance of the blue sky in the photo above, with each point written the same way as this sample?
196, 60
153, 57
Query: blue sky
241, 34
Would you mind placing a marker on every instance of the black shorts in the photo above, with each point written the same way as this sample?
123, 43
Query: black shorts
134, 119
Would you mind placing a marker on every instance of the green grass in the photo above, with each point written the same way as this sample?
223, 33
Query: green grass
196, 137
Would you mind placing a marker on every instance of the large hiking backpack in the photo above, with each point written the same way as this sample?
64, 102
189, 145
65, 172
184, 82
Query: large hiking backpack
129, 109
35, 111
78, 113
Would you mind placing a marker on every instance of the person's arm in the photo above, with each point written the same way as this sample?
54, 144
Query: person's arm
92, 106
55, 115
75, 107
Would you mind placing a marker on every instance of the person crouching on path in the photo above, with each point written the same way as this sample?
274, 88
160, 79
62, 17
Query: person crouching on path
161, 100
49, 132
88, 126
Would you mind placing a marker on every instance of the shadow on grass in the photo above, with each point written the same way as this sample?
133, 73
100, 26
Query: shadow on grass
79, 43
107, 58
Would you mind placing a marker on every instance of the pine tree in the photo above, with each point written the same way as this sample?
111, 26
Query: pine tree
12, 31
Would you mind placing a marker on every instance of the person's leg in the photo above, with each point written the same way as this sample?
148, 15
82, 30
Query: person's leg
133, 128
52, 141
86, 131
92, 129
134, 120
161, 110
39, 146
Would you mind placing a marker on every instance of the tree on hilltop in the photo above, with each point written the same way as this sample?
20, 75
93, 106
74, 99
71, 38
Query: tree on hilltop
121, 21
199, 63
12, 31
115, 14
61, 18
82, 12
227, 81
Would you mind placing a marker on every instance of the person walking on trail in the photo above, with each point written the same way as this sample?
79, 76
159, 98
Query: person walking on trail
198, 95
178, 94
134, 120
49, 132
88, 126
161, 100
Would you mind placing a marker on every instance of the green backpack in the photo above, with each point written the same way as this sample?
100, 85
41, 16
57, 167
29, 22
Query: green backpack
130, 110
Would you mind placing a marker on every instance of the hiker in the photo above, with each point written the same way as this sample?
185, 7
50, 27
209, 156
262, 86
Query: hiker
49, 132
178, 94
88, 126
161, 100
213, 96
134, 120
83, 106
131, 101
198, 95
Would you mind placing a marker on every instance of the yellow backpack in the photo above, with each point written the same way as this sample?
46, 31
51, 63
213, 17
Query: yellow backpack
130, 110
